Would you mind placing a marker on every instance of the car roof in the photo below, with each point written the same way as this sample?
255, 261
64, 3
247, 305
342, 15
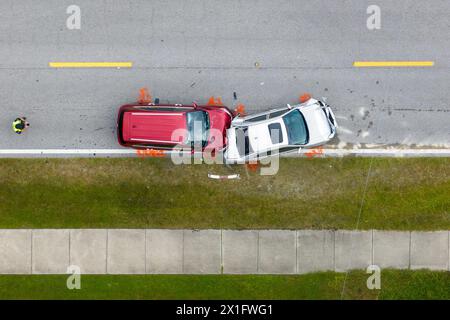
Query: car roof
153, 126
260, 134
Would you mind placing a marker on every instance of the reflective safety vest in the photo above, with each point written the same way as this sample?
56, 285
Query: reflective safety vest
18, 125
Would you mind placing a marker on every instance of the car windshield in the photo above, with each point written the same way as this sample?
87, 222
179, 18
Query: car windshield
197, 126
296, 128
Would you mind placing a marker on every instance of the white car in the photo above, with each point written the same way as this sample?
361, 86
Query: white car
308, 124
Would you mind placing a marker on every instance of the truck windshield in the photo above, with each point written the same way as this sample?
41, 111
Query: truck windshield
198, 127
296, 128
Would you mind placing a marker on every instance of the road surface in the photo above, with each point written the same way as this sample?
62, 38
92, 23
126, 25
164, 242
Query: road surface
267, 52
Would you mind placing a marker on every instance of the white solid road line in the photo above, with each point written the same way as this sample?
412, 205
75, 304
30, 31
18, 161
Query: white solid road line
388, 152
65, 151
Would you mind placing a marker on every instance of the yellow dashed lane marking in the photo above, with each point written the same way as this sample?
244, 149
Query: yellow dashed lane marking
90, 64
393, 63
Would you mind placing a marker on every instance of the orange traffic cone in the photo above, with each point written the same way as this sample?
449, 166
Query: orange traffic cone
314, 152
144, 96
240, 109
304, 97
215, 102
153, 153
252, 166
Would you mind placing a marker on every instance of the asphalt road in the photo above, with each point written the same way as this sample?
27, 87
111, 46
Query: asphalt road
268, 52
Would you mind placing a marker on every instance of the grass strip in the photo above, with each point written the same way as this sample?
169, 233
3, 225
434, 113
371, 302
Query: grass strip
395, 284
402, 194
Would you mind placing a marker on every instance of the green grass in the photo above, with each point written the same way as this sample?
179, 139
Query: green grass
404, 194
394, 285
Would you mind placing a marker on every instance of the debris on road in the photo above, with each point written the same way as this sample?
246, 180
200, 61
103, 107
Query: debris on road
227, 177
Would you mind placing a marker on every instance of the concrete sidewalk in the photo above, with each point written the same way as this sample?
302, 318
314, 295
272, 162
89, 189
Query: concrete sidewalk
163, 251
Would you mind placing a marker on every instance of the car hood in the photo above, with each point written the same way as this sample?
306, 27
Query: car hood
317, 122
219, 122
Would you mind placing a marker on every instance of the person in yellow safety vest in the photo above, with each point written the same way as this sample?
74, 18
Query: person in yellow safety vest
20, 124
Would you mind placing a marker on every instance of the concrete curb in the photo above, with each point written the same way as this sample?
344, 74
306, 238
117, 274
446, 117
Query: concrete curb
326, 152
